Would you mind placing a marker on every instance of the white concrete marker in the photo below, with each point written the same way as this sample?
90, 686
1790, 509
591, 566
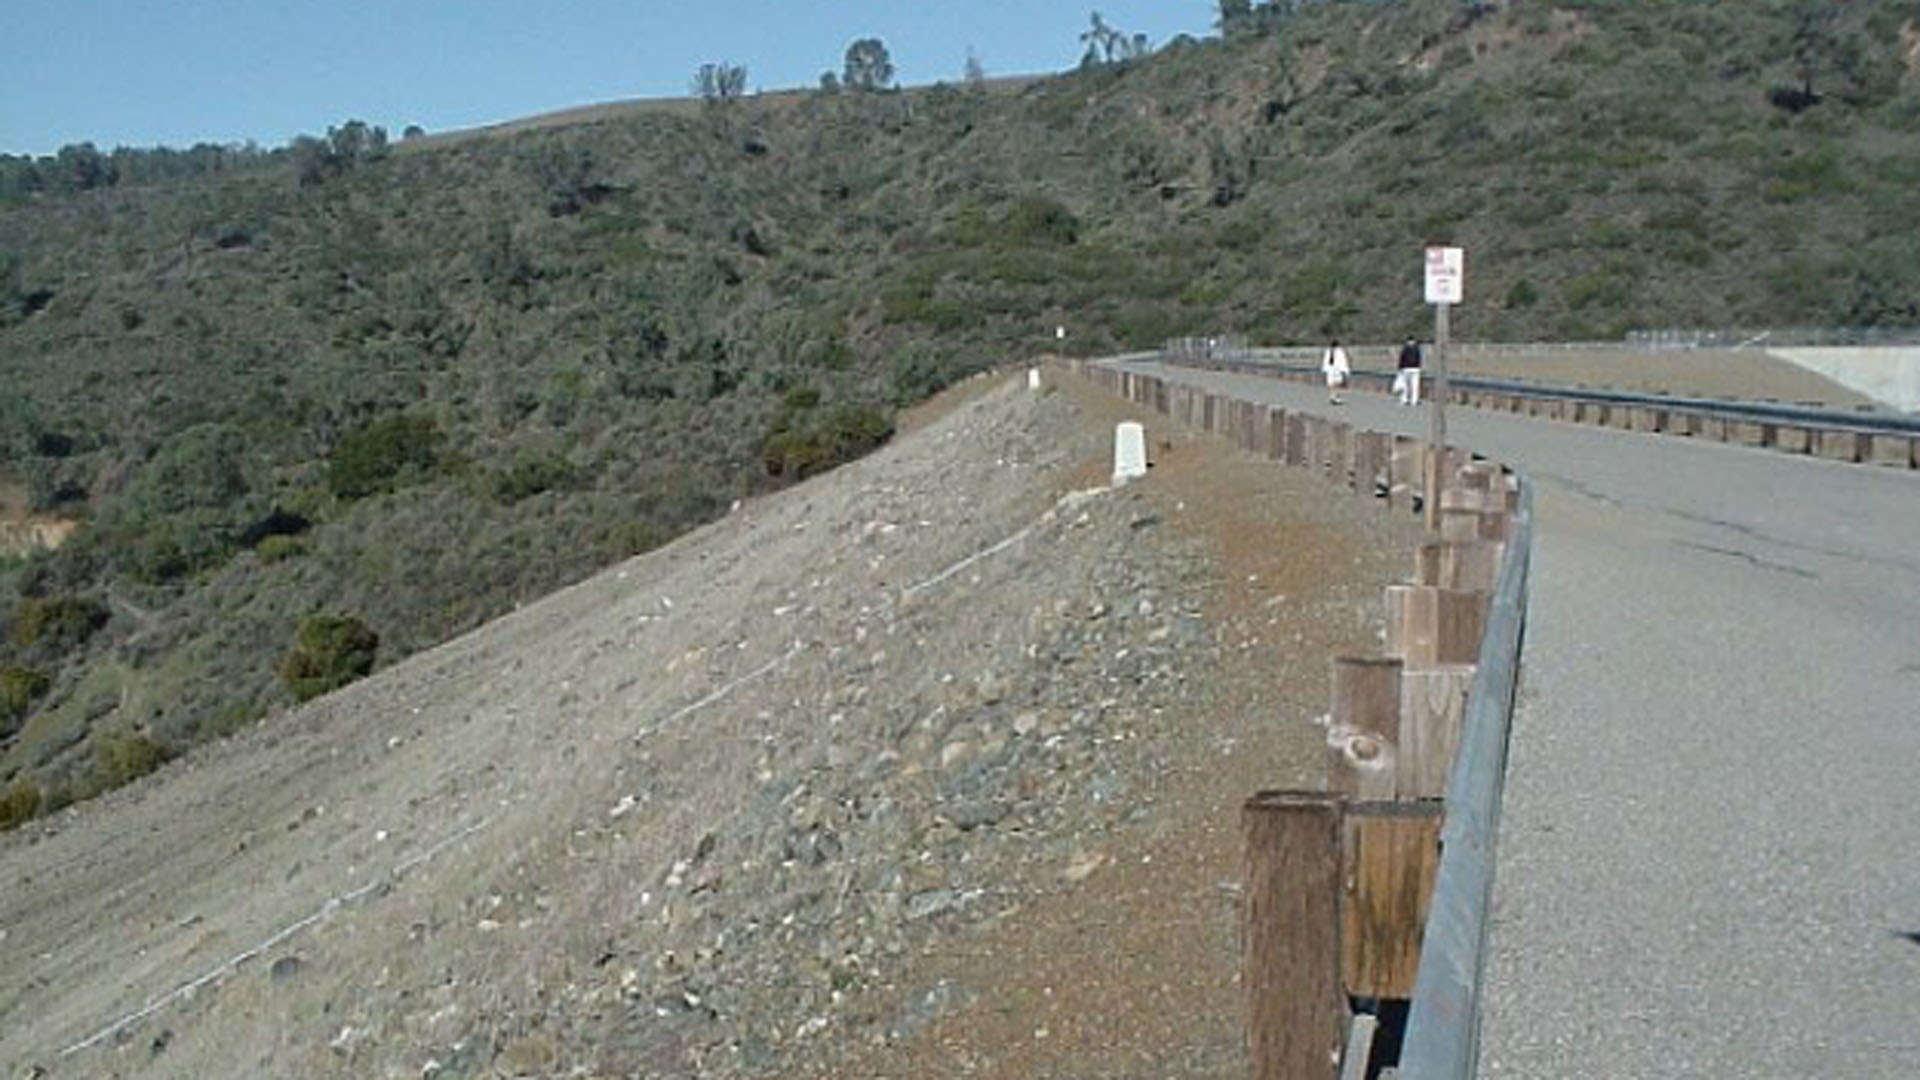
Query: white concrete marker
1033, 378
1129, 452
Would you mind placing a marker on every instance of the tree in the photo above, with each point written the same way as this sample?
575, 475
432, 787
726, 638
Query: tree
329, 652
1235, 16
1098, 38
718, 83
81, 167
351, 144
868, 66
356, 141
1108, 45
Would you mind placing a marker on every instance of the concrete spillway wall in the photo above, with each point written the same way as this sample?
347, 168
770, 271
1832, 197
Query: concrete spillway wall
1890, 376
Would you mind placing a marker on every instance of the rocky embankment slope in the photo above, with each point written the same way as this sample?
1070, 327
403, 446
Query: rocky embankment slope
930, 766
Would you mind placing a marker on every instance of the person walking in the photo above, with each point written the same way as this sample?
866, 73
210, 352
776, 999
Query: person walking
1406, 380
1334, 364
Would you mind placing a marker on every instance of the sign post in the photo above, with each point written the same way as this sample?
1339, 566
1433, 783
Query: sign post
1446, 281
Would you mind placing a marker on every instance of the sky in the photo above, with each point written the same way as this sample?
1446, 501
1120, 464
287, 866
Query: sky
177, 72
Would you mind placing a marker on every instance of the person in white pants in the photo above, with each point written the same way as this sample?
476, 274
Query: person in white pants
1334, 364
1406, 381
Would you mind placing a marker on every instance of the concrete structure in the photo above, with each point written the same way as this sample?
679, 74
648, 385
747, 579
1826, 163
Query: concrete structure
1890, 376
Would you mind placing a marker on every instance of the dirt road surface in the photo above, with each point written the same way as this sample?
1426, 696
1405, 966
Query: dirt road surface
930, 766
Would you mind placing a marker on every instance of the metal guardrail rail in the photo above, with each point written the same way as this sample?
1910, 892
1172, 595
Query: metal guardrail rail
1865, 423
1442, 1039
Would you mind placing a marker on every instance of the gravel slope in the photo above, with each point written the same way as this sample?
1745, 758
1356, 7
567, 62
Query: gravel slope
931, 765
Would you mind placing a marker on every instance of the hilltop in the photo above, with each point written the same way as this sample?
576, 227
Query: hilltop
307, 420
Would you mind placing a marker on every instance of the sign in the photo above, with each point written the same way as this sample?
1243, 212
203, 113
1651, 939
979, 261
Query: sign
1446, 275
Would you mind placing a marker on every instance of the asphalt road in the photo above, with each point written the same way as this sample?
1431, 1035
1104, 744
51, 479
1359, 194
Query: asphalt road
1709, 862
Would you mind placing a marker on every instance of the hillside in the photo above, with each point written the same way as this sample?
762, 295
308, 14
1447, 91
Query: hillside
860, 780
406, 391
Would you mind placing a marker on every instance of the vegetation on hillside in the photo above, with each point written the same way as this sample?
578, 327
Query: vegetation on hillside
411, 386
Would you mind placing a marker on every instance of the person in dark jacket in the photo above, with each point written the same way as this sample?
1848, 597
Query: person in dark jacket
1406, 381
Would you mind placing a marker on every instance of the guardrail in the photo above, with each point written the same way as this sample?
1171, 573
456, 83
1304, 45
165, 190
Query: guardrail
1859, 437
1443, 1022
1366, 903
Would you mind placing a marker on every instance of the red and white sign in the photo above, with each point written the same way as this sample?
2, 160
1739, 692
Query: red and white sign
1446, 275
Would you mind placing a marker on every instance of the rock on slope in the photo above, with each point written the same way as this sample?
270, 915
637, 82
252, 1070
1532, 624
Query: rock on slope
869, 777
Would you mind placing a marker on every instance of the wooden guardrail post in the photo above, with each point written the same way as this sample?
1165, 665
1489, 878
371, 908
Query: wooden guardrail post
1468, 566
1842, 446
1340, 455
1296, 1013
1406, 478
1389, 854
1296, 439
1459, 524
1428, 626
1371, 454
1433, 705
1364, 727
1277, 433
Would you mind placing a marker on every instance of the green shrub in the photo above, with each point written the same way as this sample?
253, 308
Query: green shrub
382, 456
1037, 221
1522, 295
56, 624
19, 803
530, 475
850, 431
279, 548
122, 757
329, 652
18, 688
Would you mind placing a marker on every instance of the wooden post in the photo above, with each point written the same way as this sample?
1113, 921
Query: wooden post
1277, 434
1433, 703
1296, 439
1403, 472
1296, 1012
1316, 444
1364, 726
1390, 852
1887, 450
1841, 445
1469, 565
1369, 454
1463, 525
1428, 626
1340, 453
1465, 498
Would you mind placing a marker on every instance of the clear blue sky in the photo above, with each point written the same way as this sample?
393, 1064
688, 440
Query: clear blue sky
177, 72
